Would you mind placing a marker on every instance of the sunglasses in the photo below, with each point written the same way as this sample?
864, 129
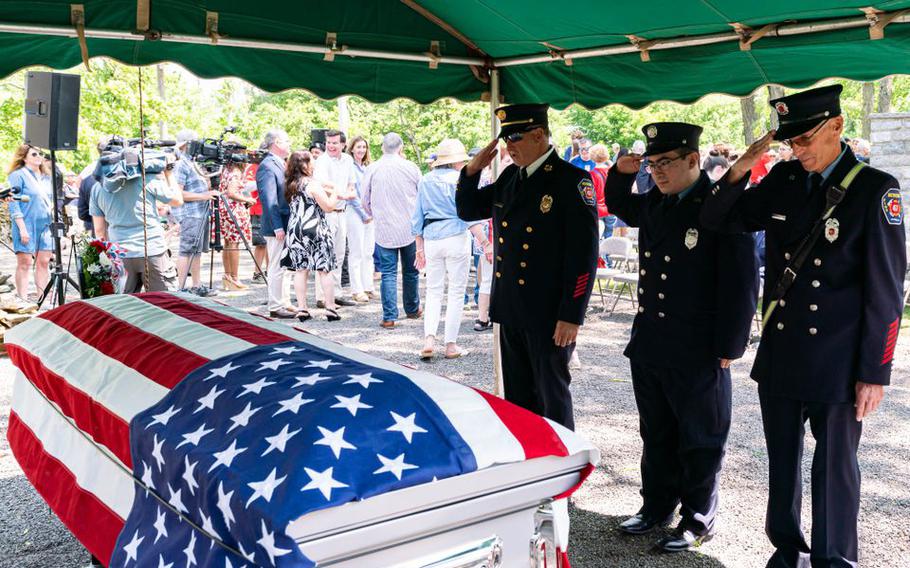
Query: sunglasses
805, 139
519, 136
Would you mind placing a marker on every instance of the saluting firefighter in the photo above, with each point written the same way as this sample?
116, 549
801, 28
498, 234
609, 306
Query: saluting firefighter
545, 244
697, 292
832, 309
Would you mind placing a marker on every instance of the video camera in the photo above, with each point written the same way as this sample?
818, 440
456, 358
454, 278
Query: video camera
213, 152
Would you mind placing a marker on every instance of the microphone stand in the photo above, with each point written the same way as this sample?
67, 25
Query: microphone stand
59, 277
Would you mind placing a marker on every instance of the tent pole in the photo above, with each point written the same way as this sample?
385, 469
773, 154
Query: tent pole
498, 386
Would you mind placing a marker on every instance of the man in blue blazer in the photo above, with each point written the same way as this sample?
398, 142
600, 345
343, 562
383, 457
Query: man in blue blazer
275, 215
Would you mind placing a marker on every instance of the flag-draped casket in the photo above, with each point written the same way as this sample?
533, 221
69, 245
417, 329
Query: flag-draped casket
166, 429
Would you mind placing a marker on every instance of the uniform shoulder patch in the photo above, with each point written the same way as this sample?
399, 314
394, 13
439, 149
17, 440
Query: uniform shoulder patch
586, 190
892, 207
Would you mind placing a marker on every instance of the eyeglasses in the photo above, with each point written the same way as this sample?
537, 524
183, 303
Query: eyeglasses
519, 136
663, 163
805, 139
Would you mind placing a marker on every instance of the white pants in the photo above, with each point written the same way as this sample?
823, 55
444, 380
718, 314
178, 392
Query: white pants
339, 230
279, 296
485, 275
446, 257
361, 240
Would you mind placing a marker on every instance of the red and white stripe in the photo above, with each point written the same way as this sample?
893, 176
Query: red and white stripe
87, 368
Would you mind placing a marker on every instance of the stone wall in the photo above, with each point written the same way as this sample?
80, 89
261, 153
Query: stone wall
891, 147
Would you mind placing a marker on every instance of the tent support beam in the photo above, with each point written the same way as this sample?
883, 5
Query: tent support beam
498, 385
781, 30
412, 4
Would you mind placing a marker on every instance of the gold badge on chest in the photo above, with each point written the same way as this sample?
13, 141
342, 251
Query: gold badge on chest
548, 168
546, 203
691, 238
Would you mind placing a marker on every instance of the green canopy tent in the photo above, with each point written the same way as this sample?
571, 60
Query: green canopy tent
536, 50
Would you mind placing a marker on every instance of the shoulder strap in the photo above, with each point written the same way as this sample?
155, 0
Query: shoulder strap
833, 197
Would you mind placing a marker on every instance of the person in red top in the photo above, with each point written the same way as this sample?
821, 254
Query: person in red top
259, 250
601, 157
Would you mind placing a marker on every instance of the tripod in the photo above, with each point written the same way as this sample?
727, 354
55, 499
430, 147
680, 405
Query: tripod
60, 277
215, 184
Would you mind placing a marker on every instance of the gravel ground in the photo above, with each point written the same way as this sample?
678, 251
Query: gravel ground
31, 536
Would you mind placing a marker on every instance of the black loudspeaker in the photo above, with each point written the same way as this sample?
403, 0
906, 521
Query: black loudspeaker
51, 110
318, 135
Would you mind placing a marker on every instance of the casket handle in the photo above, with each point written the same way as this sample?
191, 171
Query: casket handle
543, 541
486, 553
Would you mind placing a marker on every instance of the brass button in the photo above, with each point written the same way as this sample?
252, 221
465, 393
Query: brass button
786, 256
663, 276
499, 258
647, 254
780, 326
524, 264
529, 229
661, 295
641, 290
521, 282
661, 314
641, 309
812, 331
783, 303
813, 307
498, 275
501, 240
525, 246
817, 262
816, 283
642, 272
666, 259
505, 223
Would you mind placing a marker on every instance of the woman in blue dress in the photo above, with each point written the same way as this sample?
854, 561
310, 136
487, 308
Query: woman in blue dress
31, 220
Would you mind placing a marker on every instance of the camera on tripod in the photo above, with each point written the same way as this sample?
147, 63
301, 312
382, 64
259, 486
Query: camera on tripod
215, 152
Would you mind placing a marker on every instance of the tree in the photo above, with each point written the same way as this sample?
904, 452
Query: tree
750, 119
885, 92
868, 95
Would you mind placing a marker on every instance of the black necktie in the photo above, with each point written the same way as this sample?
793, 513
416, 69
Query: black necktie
522, 174
670, 200
815, 182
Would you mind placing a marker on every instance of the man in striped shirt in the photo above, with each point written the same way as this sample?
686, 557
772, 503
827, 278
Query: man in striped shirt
390, 196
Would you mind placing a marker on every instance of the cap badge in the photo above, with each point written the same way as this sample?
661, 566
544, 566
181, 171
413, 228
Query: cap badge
832, 229
652, 132
546, 204
691, 238
501, 114
781, 108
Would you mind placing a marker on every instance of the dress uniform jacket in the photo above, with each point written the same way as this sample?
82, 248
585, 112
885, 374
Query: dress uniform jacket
838, 323
544, 239
697, 288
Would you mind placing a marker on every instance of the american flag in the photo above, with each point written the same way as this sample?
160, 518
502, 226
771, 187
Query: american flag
197, 432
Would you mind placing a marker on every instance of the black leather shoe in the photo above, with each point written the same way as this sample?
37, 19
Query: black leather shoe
344, 302
641, 524
282, 313
682, 540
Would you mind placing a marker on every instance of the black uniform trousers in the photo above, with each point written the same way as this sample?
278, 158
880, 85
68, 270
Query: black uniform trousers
835, 481
684, 418
535, 373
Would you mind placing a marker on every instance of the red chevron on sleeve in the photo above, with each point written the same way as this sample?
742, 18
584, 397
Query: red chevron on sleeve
581, 284
891, 341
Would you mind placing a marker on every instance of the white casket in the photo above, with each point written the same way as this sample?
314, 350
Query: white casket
86, 370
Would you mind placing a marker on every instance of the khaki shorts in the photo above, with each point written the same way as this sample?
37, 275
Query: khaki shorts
162, 274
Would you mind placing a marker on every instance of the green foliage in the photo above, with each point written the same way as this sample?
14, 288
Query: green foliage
110, 97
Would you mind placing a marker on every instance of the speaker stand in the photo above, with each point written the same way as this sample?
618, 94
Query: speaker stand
59, 277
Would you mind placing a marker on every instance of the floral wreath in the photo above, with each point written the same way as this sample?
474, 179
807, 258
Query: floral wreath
102, 267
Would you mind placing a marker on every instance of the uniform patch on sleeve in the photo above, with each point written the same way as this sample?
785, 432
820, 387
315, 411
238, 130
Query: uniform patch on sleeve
892, 207
586, 190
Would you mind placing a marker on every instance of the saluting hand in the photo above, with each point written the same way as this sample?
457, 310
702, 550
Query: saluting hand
868, 397
629, 164
483, 158
750, 157
565, 333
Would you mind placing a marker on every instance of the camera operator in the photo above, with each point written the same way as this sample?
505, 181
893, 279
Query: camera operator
117, 216
194, 217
